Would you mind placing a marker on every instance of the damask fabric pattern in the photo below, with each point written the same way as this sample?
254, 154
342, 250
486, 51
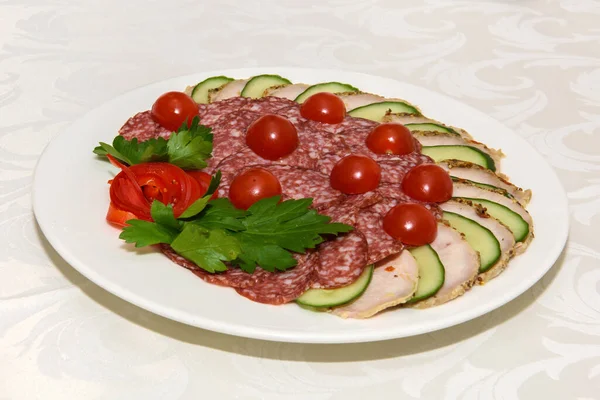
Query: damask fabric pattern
533, 65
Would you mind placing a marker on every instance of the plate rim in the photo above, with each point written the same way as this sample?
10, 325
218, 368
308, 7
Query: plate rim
285, 336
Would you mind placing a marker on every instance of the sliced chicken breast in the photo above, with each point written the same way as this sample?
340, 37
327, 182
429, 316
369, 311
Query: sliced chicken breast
231, 89
504, 235
289, 92
461, 265
448, 139
476, 173
394, 282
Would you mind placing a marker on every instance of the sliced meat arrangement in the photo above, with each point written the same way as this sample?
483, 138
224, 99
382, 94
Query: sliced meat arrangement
479, 175
493, 240
461, 265
289, 92
442, 146
367, 270
342, 261
393, 282
502, 207
282, 287
143, 127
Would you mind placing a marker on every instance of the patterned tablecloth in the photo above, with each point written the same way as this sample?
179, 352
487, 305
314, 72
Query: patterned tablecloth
534, 65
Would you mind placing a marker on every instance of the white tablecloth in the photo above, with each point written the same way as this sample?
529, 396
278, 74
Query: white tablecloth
534, 65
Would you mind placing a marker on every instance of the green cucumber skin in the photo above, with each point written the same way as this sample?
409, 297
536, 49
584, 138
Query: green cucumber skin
429, 127
341, 88
486, 161
496, 210
361, 284
275, 79
208, 82
475, 232
368, 111
438, 268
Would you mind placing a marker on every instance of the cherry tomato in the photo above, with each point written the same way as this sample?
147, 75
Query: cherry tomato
272, 137
391, 139
429, 183
135, 188
355, 174
253, 185
118, 217
324, 107
172, 109
203, 180
411, 224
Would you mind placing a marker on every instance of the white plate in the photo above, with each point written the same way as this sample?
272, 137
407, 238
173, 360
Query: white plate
70, 199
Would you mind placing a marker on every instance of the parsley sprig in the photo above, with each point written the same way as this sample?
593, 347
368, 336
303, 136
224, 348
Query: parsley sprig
188, 148
215, 232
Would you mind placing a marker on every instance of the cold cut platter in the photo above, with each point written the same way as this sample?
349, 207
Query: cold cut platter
351, 207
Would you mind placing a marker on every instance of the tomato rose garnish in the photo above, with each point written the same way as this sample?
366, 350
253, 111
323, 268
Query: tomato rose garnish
135, 188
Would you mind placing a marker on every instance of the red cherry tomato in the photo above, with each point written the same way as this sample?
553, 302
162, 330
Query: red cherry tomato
272, 137
391, 139
135, 188
355, 174
203, 180
324, 107
118, 217
411, 224
253, 185
172, 109
429, 183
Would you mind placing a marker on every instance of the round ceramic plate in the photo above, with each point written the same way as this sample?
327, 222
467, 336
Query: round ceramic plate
70, 198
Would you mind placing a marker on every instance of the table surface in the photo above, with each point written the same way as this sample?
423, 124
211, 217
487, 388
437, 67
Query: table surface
534, 65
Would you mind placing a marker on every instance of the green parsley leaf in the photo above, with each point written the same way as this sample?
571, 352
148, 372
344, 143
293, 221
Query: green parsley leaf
163, 215
105, 149
144, 233
273, 229
290, 224
208, 249
270, 257
134, 152
221, 214
195, 208
189, 148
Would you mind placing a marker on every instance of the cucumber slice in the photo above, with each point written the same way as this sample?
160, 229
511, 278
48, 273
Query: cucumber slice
324, 298
255, 88
480, 238
478, 184
377, 111
431, 272
462, 153
516, 223
429, 127
200, 91
329, 87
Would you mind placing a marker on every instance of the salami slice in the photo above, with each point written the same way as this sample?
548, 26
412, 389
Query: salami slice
347, 210
268, 105
394, 191
234, 277
229, 136
143, 127
381, 245
342, 261
277, 288
219, 109
393, 170
296, 183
